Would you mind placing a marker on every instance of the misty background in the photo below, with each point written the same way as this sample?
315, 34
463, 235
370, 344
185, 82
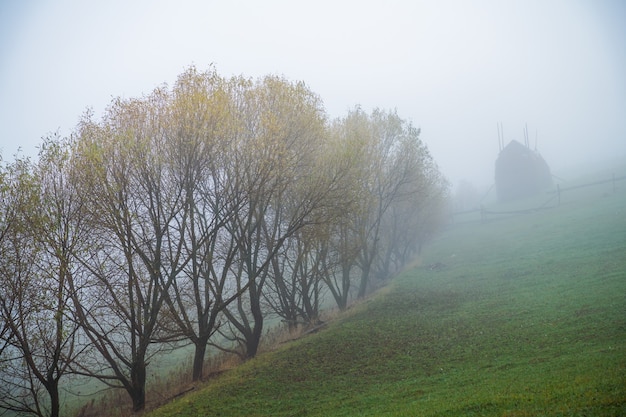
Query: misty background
454, 68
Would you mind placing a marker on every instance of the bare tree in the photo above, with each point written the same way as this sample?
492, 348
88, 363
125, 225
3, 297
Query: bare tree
388, 172
295, 285
136, 211
311, 257
346, 236
392, 173
417, 213
204, 111
194, 211
276, 166
44, 229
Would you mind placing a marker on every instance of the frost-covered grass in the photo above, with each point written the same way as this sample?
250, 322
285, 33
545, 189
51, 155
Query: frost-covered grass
522, 316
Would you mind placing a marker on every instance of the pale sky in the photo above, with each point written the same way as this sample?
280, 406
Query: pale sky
454, 68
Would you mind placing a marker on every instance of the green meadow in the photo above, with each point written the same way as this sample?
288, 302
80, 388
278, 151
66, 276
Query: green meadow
519, 315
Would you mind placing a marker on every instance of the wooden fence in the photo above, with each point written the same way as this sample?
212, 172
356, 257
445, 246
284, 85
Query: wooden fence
613, 180
554, 200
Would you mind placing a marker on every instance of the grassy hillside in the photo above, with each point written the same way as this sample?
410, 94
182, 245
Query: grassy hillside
521, 316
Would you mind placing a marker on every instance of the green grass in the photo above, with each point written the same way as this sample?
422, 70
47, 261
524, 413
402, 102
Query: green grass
525, 317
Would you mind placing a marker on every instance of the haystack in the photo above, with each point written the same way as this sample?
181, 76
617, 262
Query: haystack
520, 172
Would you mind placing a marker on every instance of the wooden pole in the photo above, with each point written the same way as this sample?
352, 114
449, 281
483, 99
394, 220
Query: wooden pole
526, 136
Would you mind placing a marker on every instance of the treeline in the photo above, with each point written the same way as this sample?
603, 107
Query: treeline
188, 216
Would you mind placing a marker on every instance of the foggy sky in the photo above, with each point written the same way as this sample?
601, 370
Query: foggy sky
454, 68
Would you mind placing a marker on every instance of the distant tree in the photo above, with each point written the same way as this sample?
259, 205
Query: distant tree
305, 270
277, 170
295, 284
466, 196
203, 127
396, 181
299, 272
390, 171
432, 211
415, 216
338, 262
340, 244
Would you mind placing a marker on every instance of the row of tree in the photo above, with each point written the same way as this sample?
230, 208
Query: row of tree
194, 212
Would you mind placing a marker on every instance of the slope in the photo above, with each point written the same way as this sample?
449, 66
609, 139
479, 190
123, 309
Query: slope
523, 316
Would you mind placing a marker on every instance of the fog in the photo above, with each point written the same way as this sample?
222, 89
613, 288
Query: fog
454, 68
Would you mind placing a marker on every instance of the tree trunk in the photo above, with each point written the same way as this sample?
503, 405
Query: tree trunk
341, 294
137, 391
253, 342
254, 337
198, 359
53, 392
365, 277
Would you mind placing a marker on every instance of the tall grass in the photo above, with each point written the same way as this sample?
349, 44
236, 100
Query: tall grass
521, 316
